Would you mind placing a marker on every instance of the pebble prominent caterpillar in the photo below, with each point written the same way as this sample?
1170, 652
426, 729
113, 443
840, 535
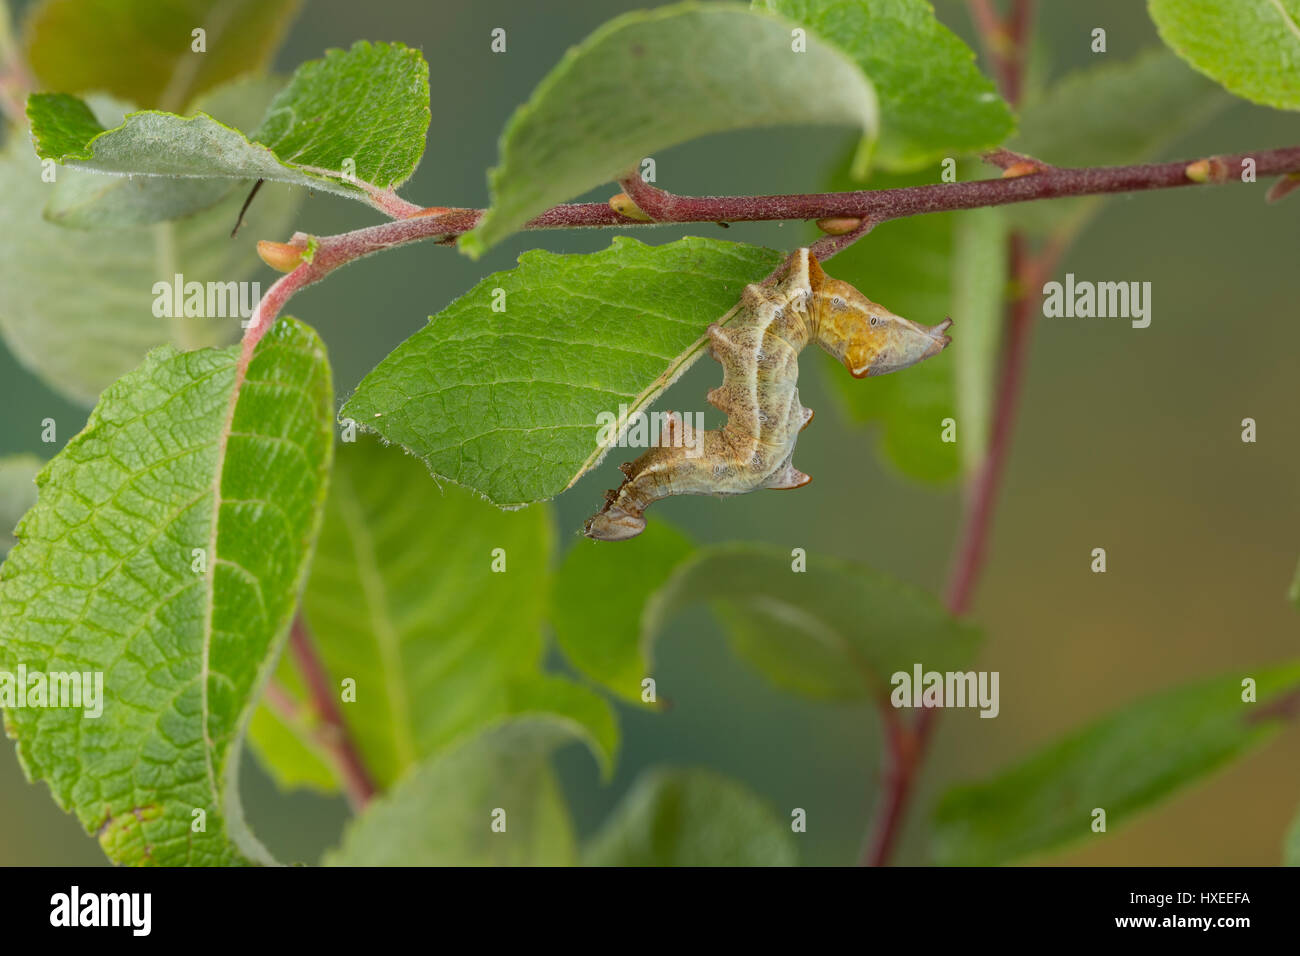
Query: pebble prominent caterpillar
759, 353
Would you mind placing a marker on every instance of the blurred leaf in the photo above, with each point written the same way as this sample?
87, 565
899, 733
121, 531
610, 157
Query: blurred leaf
369, 105
83, 201
104, 579
837, 630
934, 102
979, 282
1251, 47
1295, 587
1291, 847
288, 750
79, 336
600, 593
1108, 115
652, 79
141, 50
1122, 764
506, 402
907, 266
442, 813
691, 818
438, 643
17, 494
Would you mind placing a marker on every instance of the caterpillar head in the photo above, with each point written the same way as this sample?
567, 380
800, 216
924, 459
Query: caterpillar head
868, 338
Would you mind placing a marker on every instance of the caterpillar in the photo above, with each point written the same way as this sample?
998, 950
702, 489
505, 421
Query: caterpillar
759, 353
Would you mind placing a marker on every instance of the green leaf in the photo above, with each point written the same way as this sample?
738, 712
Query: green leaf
1122, 764
506, 402
597, 606
166, 553
1251, 47
141, 50
907, 266
442, 814
438, 643
17, 494
369, 104
979, 282
81, 336
837, 630
1291, 846
652, 79
81, 201
691, 818
934, 102
1108, 115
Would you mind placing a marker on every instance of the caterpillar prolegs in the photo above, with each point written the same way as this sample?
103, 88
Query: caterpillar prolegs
759, 353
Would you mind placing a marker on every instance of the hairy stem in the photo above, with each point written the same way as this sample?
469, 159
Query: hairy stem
873, 206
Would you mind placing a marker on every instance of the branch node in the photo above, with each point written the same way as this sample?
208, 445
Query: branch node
1212, 170
622, 204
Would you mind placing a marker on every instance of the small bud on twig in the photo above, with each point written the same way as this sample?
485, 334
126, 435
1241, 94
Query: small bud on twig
622, 204
1213, 170
838, 225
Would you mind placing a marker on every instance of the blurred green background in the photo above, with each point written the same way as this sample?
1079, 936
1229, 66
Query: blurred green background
1127, 440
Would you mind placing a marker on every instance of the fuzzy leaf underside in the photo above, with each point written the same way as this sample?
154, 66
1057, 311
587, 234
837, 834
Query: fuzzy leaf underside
651, 79
369, 105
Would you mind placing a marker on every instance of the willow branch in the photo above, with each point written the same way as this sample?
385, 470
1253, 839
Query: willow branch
872, 206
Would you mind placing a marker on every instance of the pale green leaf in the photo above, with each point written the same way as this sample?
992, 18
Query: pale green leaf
17, 494
691, 818
442, 813
652, 79
1251, 47
934, 102
506, 402
1122, 764
100, 202
142, 50
80, 336
166, 553
837, 630
979, 283
600, 593
403, 600
369, 105
1109, 115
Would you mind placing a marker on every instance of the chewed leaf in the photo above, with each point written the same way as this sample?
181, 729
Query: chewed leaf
652, 79
934, 102
162, 565
349, 124
503, 391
